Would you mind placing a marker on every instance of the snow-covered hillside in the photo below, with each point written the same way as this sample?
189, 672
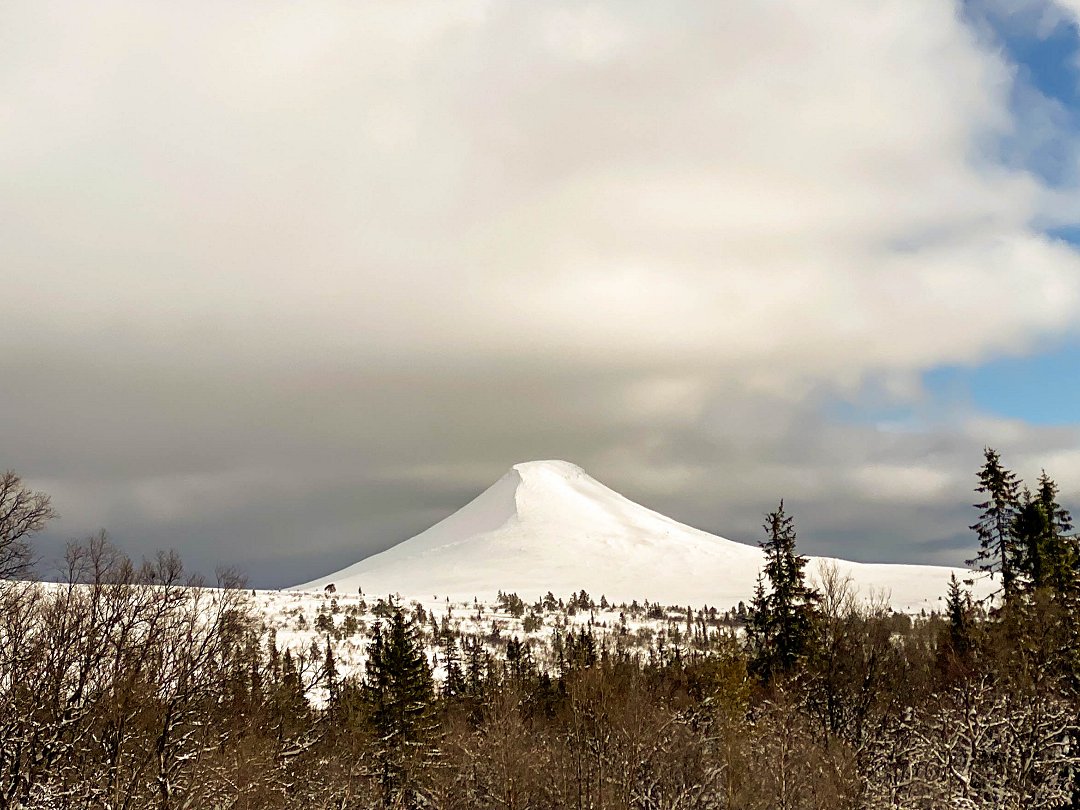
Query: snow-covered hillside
548, 526
304, 622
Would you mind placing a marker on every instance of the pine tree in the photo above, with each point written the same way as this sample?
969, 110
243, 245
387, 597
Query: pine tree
399, 690
997, 546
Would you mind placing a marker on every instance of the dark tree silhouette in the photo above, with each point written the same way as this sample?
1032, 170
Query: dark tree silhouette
22, 513
400, 693
783, 619
997, 547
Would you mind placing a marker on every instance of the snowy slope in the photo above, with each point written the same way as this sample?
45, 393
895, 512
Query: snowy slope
548, 526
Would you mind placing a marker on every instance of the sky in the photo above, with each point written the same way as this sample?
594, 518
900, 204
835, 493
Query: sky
282, 284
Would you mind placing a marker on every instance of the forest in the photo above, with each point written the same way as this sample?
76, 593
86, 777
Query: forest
135, 685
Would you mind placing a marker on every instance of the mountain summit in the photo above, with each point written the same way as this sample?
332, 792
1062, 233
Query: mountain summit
549, 526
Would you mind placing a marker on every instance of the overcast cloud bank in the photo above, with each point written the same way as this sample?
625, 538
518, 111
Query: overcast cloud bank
284, 284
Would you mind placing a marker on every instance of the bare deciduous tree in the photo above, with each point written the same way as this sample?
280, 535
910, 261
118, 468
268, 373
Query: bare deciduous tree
22, 512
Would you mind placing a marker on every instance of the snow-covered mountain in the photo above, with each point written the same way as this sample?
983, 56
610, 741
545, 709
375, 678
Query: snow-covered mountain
548, 526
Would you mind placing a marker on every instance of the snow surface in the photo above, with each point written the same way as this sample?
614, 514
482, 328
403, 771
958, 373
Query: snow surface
548, 526
293, 618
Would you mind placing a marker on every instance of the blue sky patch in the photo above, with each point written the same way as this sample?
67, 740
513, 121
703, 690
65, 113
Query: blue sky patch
1044, 46
1042, 42
1041, 389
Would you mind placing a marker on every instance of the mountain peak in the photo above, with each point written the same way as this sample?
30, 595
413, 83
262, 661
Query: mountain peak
548, 526
549, 467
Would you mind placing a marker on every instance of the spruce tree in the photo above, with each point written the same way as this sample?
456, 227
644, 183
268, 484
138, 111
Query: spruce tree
1048, 554
1061, 553
997, 547
1049, 568
454, 684
784, 619
1030, 534
519, 661
289, 697
399, 690
330, 674
289, 677
476, 669
958, 609
759, 630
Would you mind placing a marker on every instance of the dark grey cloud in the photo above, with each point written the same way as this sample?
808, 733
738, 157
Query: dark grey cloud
288, 481
283, 285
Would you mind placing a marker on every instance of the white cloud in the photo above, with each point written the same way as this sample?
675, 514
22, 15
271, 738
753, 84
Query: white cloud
1071, 8
917, 484
760, 184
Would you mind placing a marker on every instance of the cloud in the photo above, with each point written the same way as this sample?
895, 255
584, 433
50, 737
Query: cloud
265, 260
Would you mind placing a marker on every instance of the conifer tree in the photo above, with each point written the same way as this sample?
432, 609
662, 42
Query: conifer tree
256, 676
289, 699
759, 630
454, 684
330, 673
782, 622
958, 609
289, 677
1030, 533
476, 668
273, 656
519, 661
1061, 553
580, 649
1048, 554
1049, 565
997, 546
398, 687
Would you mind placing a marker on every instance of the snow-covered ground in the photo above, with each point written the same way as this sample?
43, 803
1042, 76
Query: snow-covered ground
548, 526
303, 621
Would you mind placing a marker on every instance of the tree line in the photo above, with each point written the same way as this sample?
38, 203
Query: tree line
138, 686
